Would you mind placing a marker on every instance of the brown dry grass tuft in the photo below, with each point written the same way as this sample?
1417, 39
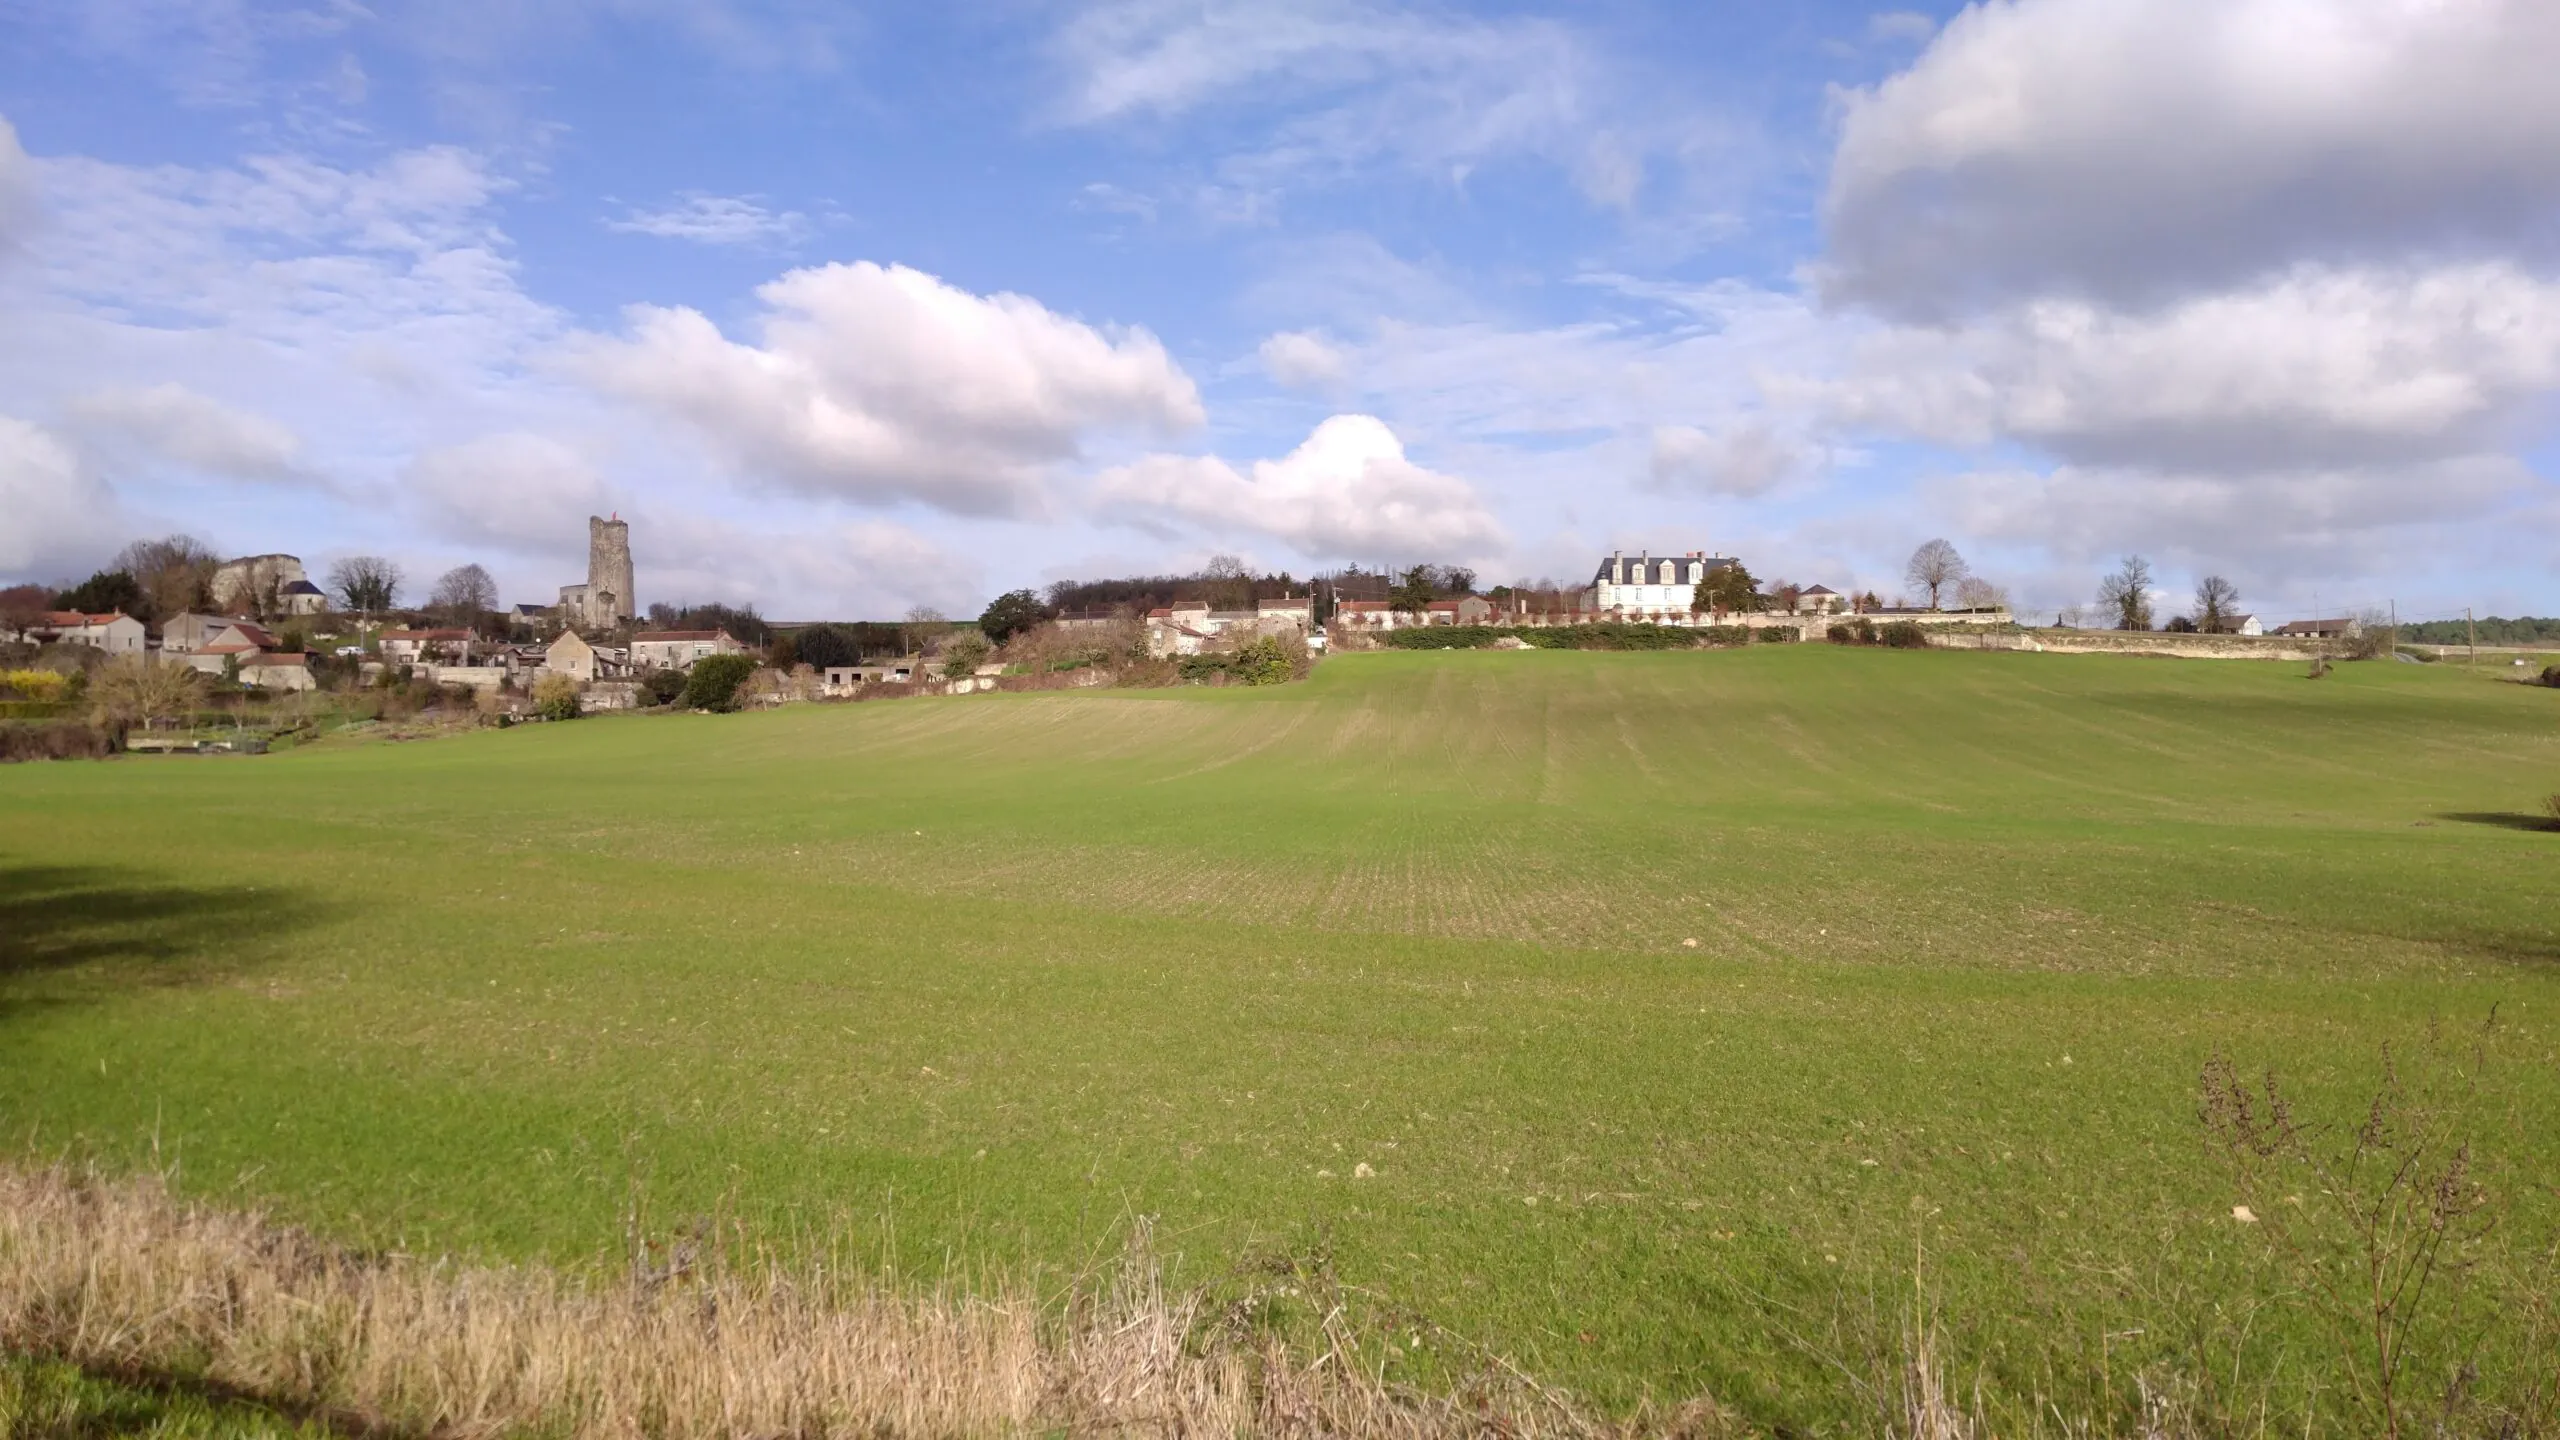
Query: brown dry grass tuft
119, 1278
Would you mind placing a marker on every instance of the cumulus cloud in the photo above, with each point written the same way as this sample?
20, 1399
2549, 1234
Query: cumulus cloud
2356, 522
1303, 361
733, 220
882, 383
1347, 492
2132, 150
2319, 367
516, 491
55, 515
1747, 458
176, 424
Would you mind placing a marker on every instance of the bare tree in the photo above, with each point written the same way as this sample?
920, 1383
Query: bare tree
2217, 605
175, 574
923, 623
134, 690
1975, 593
464, 596
2127, 593
368, 584
1934, 566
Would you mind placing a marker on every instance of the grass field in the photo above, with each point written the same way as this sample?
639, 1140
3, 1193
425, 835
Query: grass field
1389, 971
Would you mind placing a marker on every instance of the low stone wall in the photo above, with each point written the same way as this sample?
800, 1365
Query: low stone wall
2133, 642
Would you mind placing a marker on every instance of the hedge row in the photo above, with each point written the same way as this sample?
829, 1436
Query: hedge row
53, 740
1580, 637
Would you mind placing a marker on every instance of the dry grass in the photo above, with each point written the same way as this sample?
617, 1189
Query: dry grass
121, 1279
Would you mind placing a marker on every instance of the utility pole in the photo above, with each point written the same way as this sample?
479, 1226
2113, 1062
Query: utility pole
2395, 628
2471, 629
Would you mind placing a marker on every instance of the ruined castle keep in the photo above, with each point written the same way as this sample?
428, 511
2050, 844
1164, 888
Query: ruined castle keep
606, 599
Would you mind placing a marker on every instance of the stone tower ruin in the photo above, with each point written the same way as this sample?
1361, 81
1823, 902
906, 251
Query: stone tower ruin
606, 599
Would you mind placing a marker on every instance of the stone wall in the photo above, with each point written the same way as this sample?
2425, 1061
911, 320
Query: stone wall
2135, 642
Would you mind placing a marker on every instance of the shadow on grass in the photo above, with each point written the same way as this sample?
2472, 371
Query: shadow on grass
2503, 819
65, 929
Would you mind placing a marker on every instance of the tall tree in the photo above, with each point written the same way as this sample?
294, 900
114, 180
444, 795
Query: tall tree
175, 575
2217, 604
1010, 614
2127, 593
1414, 590
22, 606
1934, 566
366, 584
107, 590
464, 596
1728, 589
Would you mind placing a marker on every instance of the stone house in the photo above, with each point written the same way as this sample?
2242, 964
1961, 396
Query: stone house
1465, 610
413, 647
114, 632
1821, 600
277, 670
678, 649
572, 656
184, 634
2343, 628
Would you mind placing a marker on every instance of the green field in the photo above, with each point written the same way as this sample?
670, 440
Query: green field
967, 983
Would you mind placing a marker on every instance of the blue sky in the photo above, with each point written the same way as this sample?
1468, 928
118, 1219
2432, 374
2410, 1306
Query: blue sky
855, 308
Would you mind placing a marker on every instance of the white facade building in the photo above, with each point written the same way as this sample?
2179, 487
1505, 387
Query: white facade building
1647, 582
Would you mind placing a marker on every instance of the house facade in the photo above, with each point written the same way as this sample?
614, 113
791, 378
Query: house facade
114, 632
1649, 583
572, 656
678, 649
417, 647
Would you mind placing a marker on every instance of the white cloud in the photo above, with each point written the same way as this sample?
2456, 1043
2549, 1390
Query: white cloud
1747, 458
55, 516
1347, 493
177, 424
2318, 367
1356, 83
2373, 523
884, 383
17, 189
1302, 360
515, 491
1900, 27
718, 220
2131, 150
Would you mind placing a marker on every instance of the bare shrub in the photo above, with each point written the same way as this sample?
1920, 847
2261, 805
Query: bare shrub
2379, 1230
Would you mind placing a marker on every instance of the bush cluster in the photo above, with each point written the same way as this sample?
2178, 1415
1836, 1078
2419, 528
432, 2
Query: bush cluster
1899, 635
715, 680
555, 697
54, 740
1268, 660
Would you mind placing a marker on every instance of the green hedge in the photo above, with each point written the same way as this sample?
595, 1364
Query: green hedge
1571, 637
34, 709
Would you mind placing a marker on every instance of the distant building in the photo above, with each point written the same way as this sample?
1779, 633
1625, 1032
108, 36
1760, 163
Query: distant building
277, 670
1647, 583
606, 600
572, 656
1465, 610
264, 585
678, 649
1821, 600
2343, 628
114, 632
417, 647
183, 634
